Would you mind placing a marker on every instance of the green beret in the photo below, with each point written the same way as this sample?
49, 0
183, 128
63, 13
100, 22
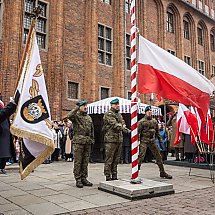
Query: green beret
115, 101
81, 103
148, 108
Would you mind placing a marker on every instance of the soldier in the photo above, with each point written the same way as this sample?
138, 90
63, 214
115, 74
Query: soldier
82, 140
114, 126
148, 131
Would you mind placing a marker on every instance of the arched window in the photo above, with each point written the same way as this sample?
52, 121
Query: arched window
186, 25
212, 41
170, 21
200, 35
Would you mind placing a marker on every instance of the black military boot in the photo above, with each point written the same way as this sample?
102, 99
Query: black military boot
79, 184
114, 177
85, 182
108, 178
165, 175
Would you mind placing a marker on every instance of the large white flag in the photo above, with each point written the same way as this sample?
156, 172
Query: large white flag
32, 120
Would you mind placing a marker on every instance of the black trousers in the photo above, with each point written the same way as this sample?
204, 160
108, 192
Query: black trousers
2, 163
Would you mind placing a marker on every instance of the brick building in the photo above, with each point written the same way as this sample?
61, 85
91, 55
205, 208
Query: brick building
85, 45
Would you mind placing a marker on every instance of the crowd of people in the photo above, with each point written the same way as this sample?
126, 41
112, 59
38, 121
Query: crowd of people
74, 138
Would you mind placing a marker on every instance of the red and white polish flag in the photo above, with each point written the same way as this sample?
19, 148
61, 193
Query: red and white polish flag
187, 123
166, 75
201, 124
209, 128
182, 124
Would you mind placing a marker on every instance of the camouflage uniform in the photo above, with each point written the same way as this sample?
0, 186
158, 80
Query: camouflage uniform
148, 131
114, 126
82, 140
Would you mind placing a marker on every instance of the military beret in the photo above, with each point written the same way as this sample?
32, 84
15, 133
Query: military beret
148, 108
81, 103
115, 101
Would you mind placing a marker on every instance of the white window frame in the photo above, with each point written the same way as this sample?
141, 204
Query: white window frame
1, 16
194, 2
45, 33
127, 6
170, 24
186, 59
68, 90
200, 5
129, 92
105, 52
186, 34
213, 71
128, 57
172, 52
107, 1
200, 40
200, 68
100, 91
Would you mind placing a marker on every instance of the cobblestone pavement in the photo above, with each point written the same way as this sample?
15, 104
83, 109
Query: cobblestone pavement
51, 190
200, 201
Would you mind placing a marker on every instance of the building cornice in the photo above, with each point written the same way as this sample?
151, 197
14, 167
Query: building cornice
201, 12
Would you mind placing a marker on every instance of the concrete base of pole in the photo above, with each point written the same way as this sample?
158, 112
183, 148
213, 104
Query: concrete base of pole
145, 189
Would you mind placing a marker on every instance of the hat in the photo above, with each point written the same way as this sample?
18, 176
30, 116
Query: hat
115, 101
81, 103
148, 108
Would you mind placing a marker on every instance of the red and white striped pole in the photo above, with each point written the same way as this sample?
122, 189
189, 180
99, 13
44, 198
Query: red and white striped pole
134, 134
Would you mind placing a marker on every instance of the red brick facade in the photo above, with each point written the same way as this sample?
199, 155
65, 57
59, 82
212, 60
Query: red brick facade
72, 43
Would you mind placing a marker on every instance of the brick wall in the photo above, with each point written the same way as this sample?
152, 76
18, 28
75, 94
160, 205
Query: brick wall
73, 45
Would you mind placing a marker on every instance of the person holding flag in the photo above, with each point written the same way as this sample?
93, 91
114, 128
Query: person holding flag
5, 136
32, 121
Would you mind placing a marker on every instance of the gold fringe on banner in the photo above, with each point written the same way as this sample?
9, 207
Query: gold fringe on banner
37, 138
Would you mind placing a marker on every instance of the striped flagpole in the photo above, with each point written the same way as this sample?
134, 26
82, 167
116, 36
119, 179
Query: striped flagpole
134, 134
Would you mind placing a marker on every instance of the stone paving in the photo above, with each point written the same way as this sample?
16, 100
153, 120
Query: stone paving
51, 190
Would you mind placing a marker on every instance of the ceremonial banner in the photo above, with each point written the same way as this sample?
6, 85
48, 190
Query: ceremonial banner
166, 75
32, 120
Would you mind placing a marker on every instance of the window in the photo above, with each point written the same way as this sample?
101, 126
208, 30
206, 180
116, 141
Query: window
127, 6
212, 40
104, 92
201, 66
200, 4
171, 52
187, 60
186, 28
104, 45
41, 29
73, 89
1, 16
194, 2
200, 35
213, 71
128, 52
107, 1
129, 95
170, 21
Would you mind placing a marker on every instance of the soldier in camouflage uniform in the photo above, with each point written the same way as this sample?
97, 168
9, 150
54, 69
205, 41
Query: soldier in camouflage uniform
148, 131
82, 140
114, 126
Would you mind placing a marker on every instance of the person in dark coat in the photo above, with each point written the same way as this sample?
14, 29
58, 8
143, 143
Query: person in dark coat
126, 148
5, 135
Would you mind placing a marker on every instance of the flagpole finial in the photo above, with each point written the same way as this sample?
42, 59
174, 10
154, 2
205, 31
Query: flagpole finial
36, 12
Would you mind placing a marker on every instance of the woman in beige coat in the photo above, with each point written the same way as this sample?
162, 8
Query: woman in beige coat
68, 141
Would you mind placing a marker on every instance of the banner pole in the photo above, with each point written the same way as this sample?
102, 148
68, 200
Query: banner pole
36, 14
